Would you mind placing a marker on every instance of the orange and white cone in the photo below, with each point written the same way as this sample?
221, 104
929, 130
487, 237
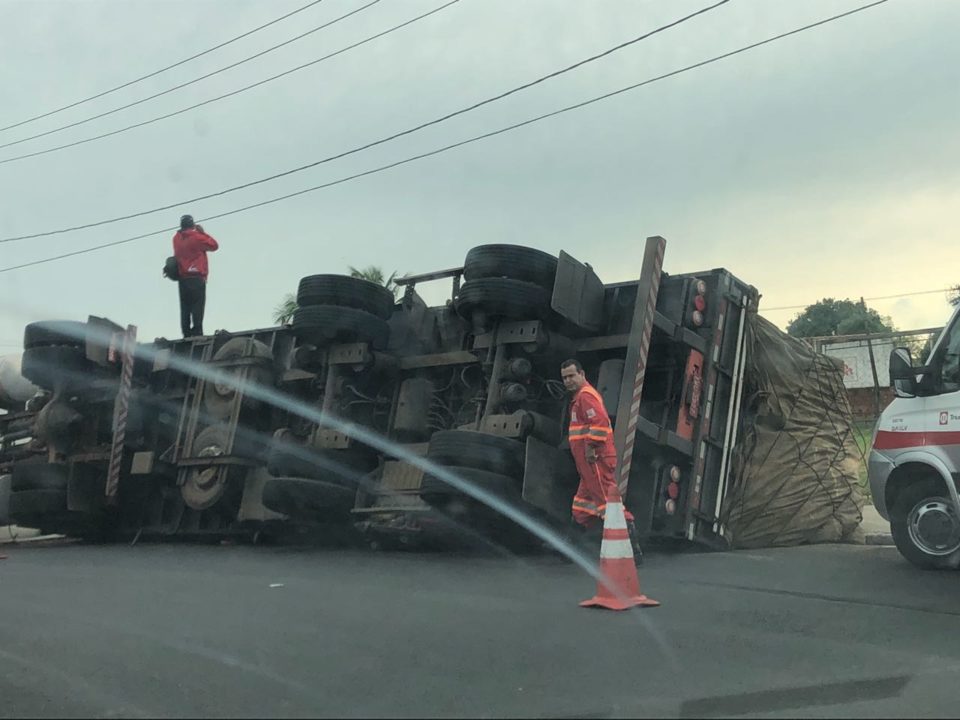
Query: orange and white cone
619, 585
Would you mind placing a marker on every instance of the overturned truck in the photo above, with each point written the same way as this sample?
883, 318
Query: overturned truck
258, 431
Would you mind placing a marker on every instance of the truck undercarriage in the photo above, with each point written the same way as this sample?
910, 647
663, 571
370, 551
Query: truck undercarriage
256, 431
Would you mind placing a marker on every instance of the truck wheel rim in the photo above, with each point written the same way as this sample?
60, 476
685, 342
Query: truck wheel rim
202, 489
226, 388
934, 527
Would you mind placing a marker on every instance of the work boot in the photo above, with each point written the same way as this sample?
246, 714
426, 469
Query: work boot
635, 543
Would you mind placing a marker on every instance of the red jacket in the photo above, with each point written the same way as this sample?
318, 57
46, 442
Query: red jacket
590, 423
190, 247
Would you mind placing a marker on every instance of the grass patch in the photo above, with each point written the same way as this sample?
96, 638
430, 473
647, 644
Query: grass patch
862, 433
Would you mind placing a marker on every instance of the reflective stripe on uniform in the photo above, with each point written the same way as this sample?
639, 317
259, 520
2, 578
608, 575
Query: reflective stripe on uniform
583, 505
591, 432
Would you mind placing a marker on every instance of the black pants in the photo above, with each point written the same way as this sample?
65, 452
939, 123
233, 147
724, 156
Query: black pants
193, 299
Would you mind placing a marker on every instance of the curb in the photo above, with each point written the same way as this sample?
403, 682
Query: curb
36, 540
879, 539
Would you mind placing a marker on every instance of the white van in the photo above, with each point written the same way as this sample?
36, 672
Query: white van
914, 465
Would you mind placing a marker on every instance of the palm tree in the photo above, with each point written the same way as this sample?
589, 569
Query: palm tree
283, 313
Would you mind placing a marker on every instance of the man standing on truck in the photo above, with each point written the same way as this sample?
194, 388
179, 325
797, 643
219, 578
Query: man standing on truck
591, 443
190, 247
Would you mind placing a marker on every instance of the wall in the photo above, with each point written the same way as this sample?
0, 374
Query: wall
862, 401
856, 361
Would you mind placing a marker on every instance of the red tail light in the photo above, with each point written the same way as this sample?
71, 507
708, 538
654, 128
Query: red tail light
698, 314
672, 490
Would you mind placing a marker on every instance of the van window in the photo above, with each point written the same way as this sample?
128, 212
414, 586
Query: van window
950, 365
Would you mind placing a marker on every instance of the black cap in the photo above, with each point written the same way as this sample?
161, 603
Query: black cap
186, 221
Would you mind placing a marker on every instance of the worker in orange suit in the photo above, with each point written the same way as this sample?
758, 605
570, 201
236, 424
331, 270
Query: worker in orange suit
591, 443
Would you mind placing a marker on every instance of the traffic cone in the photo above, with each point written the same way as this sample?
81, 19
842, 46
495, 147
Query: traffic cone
619, 585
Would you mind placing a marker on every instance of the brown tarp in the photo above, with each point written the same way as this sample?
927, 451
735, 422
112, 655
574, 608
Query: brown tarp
796, 471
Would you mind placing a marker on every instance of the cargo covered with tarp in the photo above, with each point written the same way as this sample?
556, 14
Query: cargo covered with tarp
796, 470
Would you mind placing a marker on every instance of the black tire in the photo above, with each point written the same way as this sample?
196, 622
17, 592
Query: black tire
327, 324
511, 261
53, 366
467, 448
218, 397
4, 500
437, 491
500, 297
345, 291
39, 476
307, 499
339, 467
26, 504
55, 332
913, 496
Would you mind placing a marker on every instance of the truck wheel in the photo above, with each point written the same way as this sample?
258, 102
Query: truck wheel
328, 324
55, 332
340, 467
307, 499
502, 297
926, 528
39, 476
218, 397
468, 448
54, 366
511, 261
346, 291
205, 486
438, 492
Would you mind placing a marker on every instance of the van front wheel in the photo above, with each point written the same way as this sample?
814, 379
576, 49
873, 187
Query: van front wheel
926, 527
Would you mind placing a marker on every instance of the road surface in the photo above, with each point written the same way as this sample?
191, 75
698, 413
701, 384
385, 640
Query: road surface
175, 630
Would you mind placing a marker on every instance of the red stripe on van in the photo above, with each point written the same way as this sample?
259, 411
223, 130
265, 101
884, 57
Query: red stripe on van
887, 440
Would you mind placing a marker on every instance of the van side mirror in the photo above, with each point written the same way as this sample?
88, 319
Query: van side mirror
903, 376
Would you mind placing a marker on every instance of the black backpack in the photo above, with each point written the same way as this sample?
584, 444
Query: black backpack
171, 270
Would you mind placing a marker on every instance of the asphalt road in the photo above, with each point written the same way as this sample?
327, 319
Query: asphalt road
167, 630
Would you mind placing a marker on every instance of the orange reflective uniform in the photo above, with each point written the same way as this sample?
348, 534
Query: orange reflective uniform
590, 427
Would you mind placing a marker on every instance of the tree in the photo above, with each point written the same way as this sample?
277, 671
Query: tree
838, 317
954, 295
283, 313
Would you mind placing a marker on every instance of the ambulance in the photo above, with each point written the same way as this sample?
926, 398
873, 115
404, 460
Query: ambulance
914, 464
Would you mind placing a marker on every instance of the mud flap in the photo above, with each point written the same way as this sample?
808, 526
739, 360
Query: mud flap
578, 294
251, 505
549, 479
4, 499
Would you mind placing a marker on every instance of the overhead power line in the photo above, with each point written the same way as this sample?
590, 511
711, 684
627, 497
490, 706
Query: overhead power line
232, 93
161, 70
381, 141
869, 299
462, 143
189, 82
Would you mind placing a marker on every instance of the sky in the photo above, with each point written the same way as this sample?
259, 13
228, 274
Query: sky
824, 165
